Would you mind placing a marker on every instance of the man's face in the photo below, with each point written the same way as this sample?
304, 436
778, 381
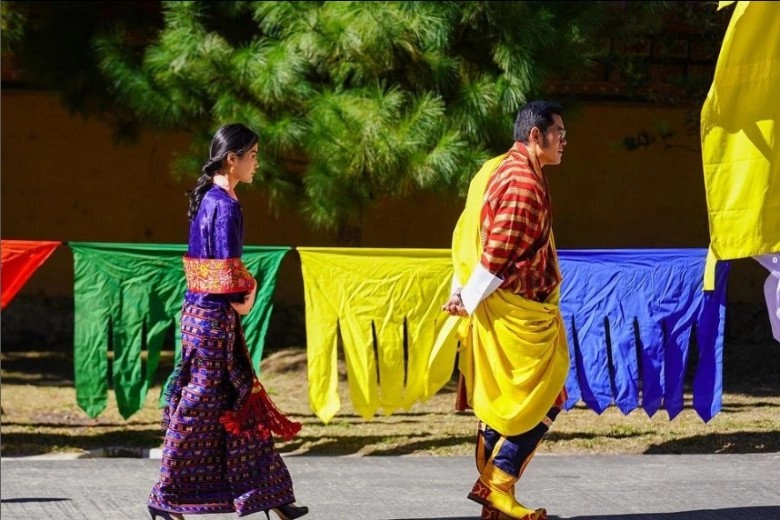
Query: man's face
552, 143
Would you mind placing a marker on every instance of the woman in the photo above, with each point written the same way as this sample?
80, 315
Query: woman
219, 454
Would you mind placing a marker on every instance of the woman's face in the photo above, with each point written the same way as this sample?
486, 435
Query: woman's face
245, 166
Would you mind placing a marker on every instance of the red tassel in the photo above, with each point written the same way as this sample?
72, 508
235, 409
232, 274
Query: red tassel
259, 407
275, 419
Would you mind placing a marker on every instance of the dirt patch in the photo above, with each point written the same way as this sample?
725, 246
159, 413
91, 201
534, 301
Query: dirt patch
40, 415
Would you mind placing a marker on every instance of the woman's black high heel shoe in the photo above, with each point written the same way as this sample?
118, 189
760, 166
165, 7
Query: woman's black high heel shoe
165, 515
288, 512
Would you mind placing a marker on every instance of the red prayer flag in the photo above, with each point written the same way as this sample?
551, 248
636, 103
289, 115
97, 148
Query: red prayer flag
20, 259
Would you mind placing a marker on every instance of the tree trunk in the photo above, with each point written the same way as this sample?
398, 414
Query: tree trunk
349, 235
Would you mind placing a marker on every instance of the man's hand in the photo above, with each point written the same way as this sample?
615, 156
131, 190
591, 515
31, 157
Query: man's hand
244, 307
454, 305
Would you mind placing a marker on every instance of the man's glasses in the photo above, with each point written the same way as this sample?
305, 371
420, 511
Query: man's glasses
561, 133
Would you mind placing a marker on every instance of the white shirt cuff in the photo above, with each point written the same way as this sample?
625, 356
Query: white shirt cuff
481, 283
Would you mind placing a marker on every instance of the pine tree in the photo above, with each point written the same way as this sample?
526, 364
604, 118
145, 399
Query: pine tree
355, 101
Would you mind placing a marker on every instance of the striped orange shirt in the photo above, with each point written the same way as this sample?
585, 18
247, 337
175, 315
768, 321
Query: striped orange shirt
515, 228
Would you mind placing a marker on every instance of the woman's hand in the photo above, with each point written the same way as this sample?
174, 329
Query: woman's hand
244, 307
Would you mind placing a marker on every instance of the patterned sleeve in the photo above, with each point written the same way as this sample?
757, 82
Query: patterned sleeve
228, 236
511, 221
228, 231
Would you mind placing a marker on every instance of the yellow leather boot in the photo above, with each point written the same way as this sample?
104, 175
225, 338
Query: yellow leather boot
494, 489
488, 513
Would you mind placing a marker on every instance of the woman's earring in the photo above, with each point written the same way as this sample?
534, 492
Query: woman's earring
232, 170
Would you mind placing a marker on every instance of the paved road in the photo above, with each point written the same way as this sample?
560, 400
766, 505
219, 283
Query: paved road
644, 487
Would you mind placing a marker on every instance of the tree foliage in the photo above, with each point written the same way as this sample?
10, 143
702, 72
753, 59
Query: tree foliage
52, 45
353, 101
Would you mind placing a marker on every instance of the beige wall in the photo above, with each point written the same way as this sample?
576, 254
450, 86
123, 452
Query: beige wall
649, 197
63, 178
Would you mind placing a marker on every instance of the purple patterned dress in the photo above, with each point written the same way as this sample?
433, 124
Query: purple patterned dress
205, 467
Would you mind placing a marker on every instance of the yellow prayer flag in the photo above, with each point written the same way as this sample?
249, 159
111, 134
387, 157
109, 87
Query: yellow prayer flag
385, 304
739, 121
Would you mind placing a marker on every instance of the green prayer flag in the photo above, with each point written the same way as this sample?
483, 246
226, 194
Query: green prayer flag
127, 296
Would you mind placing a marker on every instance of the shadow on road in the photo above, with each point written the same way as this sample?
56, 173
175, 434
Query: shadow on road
735, 513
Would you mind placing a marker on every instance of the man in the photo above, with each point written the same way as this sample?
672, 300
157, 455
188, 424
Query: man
514, 358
